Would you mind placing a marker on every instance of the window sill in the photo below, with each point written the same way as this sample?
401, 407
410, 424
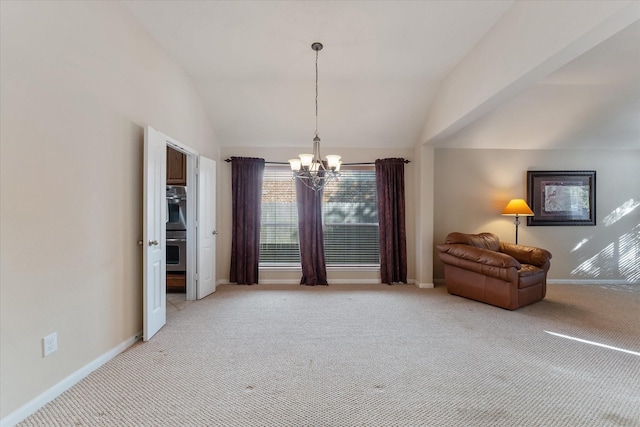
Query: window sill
273, 267
353, 268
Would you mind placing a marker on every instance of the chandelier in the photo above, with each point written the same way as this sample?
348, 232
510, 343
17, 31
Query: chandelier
310, 169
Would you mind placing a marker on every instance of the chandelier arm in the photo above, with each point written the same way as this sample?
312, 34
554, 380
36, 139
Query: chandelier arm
316, 181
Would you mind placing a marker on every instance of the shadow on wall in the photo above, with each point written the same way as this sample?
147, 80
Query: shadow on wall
621, 257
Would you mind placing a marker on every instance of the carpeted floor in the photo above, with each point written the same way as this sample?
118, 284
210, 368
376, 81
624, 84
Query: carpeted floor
354, 355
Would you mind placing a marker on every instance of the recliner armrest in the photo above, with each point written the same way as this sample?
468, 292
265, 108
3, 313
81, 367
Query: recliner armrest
526, 254
479, 255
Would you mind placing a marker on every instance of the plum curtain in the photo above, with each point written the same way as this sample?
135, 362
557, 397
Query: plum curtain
314, 269
246, 188
391, 217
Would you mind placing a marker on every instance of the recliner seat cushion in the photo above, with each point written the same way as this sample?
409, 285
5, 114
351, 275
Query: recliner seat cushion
530, 275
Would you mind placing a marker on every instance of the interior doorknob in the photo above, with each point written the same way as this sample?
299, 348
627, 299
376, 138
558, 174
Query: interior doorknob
153, 243
214, 232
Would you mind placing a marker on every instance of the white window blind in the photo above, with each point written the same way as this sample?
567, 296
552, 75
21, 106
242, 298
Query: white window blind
279, 220
350, 219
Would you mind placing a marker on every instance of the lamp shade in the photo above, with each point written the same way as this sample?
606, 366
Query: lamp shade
333, 161
306, 159
517, 207
295, 164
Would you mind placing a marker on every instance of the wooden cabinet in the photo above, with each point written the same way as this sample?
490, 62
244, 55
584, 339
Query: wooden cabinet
176, 282
176, 167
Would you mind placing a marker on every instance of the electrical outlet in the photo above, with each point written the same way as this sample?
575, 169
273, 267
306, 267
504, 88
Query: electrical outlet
50, 344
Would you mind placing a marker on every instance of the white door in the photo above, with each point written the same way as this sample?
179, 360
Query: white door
154, 292
206, 267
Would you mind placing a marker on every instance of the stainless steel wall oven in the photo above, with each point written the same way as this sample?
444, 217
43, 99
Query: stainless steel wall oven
176, 251
176, 207
176, 228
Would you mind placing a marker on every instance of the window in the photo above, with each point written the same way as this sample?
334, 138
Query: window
350, 215
279, 221
350, 219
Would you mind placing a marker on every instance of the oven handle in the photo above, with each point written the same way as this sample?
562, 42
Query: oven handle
176, 240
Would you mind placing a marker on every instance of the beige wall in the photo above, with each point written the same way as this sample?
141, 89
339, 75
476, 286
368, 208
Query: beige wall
349, 155
473, 186
79, 81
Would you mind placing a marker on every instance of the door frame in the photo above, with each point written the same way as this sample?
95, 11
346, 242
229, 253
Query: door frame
192, 188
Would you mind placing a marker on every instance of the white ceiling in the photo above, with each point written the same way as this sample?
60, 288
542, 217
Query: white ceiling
382, 65
592, 102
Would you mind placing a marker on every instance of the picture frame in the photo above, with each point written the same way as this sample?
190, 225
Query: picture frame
562, 197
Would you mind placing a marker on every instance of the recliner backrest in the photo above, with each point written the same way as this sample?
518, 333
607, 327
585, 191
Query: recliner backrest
483, 240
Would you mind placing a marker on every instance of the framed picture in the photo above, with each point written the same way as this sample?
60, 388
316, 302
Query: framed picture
562, 197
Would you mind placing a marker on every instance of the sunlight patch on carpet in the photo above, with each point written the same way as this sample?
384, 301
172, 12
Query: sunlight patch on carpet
635, 353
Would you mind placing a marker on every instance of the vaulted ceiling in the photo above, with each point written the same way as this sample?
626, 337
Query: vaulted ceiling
480, 74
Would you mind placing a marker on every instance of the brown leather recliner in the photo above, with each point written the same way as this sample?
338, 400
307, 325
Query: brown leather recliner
482, 268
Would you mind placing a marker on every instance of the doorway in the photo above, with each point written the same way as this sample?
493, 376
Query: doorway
179, 190
200, 232
181, 241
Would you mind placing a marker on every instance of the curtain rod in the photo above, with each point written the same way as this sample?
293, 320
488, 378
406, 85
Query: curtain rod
344, 164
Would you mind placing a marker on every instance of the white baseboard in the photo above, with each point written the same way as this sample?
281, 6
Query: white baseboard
32, 406
331, 282
425, 285
437, 282
573, 282
590, 282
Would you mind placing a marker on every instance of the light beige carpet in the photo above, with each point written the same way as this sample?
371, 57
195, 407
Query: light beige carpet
353, 355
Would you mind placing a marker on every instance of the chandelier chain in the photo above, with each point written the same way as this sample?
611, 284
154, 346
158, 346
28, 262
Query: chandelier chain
316, 93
